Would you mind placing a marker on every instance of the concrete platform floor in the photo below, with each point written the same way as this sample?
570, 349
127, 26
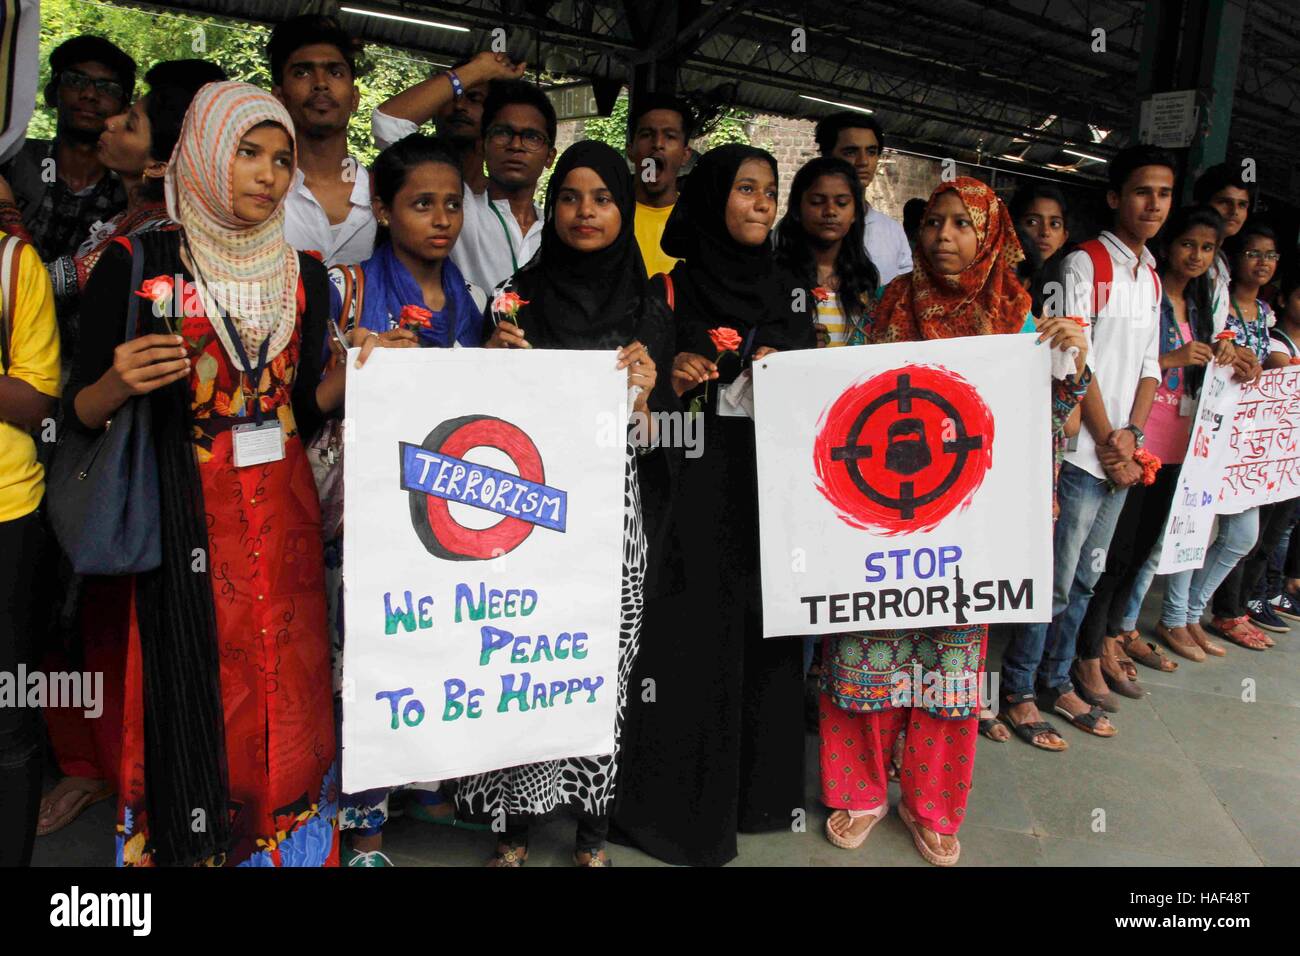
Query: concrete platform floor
1195, 776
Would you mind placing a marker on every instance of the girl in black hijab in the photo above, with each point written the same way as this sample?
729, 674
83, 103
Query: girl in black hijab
720, 748
586, 289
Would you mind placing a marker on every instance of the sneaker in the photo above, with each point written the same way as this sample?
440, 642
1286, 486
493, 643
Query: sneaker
373, 858
1262, 615
1286, 605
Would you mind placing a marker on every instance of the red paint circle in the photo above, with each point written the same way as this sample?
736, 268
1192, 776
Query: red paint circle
450, 538
927, 406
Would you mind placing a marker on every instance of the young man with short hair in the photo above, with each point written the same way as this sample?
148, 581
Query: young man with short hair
454, 101
659, 130
1223, 187
1112, 283
313, 73
859, 140
90, 80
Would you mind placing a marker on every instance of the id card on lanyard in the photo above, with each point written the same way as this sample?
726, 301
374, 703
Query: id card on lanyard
258, 442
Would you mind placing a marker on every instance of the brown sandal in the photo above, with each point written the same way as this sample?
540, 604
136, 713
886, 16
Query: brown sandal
1146, 653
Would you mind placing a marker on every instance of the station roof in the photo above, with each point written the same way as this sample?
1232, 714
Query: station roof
1004, 82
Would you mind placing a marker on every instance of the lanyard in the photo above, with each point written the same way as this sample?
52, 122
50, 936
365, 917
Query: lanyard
254, 373
514, 263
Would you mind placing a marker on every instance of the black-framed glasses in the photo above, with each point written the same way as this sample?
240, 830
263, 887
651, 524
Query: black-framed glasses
1254, 255
75, 80
501, 136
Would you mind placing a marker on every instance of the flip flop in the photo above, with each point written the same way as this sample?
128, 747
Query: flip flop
922, 847
851, 842
85, 798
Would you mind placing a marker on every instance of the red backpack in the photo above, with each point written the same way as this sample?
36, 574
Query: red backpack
1103, 275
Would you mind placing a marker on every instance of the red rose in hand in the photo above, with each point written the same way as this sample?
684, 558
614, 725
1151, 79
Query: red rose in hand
821, 293
725, 339
509, 303
157, 289
315, 254
1226, 334
415, 317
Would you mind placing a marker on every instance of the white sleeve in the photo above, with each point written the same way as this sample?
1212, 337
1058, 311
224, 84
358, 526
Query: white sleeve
387, 130
902, 250
1076, 298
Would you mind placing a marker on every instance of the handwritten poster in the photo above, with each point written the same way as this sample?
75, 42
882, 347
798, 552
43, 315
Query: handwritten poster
482, 560
1196, 499
1263, 461
906, 484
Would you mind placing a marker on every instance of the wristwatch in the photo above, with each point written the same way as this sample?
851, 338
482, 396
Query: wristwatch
1139, 436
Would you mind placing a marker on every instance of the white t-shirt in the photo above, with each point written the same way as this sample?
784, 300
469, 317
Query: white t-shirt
1124, 339
306, 226
1220, 298
887, 245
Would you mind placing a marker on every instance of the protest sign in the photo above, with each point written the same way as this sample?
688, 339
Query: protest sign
906, 484
1191, 515
483, 543
1262, 464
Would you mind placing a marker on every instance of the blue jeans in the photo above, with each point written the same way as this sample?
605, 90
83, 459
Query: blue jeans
1040, 653
1187, 592
1141, 585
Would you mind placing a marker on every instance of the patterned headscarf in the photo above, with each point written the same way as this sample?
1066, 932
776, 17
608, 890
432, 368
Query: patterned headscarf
248, 269
985, 297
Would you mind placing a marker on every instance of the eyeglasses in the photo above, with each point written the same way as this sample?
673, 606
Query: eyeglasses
79, 81
1254, 255
503, 136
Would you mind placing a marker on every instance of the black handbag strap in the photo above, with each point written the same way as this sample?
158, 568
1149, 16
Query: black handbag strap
133, 300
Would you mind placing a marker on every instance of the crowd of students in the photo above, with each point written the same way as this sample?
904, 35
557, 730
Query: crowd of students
222, 681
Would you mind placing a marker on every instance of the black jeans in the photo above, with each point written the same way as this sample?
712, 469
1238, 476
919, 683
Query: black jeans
22, 620
592, 831
1140, 522
1243, 581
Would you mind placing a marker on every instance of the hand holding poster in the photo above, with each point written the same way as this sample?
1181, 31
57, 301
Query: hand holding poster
907, 483
1191, 515
483, 541
1262, 464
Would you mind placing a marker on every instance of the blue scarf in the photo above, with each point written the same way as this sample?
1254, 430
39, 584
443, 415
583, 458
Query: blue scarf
390, 287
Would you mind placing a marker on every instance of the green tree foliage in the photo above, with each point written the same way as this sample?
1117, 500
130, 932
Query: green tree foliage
236, 46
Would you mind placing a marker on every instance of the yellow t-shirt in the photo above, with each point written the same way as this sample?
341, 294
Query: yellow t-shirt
33, 358
649, 229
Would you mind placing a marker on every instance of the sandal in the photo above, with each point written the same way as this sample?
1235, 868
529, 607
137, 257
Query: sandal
1028, 731
1238, 631
853, 842
86, 797
512, 856
1145, 653
594, 857
1115, 674
1106, 701
418, 809
1086, 722
987, 726
914, 827
1120, 657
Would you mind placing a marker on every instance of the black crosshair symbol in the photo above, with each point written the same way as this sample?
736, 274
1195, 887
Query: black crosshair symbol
903, 394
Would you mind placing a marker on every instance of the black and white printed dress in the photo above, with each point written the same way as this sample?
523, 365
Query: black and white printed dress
585, 784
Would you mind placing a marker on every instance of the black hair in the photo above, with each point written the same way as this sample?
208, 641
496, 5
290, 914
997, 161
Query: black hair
913, 210
293, 34
829, 128
1026, 193
858, 275
661, 101
90, 49
172, 85
1220, 176
1135, 157
1253, 229
503, 93
1287, 284
1199, 292
391, 167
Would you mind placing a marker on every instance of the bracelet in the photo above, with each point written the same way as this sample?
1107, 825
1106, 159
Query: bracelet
457, 89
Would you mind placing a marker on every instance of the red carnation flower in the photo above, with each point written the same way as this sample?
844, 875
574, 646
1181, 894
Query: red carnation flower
415, 317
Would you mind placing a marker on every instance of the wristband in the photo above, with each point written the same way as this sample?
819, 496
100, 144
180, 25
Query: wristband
457, 89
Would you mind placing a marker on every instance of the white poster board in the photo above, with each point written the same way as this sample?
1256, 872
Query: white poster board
482, 560
1262, 464
907, 484
1191, 515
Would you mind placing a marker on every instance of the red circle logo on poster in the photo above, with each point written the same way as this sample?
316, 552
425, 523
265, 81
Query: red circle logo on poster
900, 451
444, 536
